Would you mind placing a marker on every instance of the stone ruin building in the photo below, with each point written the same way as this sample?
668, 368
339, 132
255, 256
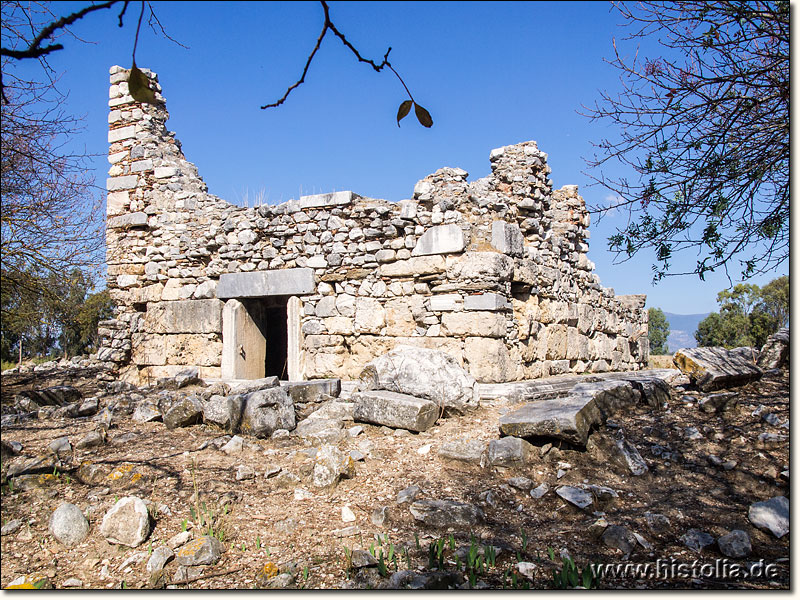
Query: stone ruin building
493, 272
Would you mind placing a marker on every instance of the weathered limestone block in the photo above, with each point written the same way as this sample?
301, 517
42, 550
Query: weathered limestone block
117, 203
265, 411
393, 409
491, 266
321, 201
715, 368
399, 318
126, 182
224, 412
478, 324
184, 316
147, 294
570, 418
446, 513
488, 359
127, 221
186, 411
442, 239
193, 349
556, 342
445, 302
507, 238
414, 267
775, 352
487, 301
509, 452
370, 315
339, 325
423, 373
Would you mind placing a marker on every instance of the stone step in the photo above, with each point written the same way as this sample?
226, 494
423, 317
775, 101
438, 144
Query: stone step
715, 368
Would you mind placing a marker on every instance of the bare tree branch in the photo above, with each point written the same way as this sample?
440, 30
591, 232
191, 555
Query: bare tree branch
705, 126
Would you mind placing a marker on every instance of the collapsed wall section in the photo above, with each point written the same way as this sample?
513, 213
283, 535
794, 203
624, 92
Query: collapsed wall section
494, 272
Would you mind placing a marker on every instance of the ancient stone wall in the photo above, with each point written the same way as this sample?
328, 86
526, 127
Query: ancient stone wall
493, 272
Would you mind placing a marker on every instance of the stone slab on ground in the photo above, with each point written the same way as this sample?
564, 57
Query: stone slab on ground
309, 391
570, 418
381, 407
713, 368
771, 515
446, 513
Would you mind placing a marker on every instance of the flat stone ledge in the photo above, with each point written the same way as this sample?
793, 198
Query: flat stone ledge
259, 284
322, 200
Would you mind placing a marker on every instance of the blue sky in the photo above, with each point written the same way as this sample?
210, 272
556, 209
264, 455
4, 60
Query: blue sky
491, 74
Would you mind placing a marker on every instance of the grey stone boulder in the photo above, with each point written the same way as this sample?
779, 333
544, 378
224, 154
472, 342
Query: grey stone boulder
24, 465
224, 412
186, 411
714, 403
423, 373
127, 522
539, 491
464, 450
618, 451
205, 550
394, 409
248, 386
570, 418
619, 537
331, 465
697, 540
771, 515
68, 525
510, 452
92, 439
446, 513
265, 411
714, 368
88, 407
146, 412
316, 430
408, 494
575, 496
735, 544
60, 445
657, 523
775, 352
160, 557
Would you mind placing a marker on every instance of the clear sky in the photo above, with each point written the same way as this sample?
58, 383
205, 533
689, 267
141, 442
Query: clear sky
491, 74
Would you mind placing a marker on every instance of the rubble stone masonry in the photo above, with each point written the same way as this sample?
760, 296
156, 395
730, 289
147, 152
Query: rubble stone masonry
494, 271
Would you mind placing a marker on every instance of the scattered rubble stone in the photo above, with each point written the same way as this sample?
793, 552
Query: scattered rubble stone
697, 540
205, 550
127, 522
576, 496
771, 515
446, 513
735, 544
68, 525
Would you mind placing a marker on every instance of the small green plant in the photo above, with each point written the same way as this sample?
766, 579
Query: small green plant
150, 548
305, 573
570, 577
244, 547
382, 565
258, 543
184, 524
416, 539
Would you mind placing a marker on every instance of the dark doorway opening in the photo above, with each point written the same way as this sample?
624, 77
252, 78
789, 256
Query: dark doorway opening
271, 316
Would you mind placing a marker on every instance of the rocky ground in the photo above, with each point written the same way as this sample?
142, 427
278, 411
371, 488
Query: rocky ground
314, 511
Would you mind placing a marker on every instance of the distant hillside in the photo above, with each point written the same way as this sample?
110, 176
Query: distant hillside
681, 330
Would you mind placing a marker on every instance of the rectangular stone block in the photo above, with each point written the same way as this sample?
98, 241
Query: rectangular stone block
125, 182
488, 301
123, 133
165, 172
259, 284
442, 239
445, 302
394, 410
507, 238
117, 203
474, 324
137, 219
142, 165
418, 265
322, 200
184, 316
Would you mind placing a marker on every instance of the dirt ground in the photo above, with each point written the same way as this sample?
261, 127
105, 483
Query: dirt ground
266, 528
